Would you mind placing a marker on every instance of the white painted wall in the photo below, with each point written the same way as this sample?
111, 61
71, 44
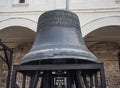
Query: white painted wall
89, 11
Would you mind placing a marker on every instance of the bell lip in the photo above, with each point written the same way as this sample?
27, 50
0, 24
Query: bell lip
56, 53
81, 59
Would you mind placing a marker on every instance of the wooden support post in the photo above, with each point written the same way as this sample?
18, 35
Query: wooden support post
13, 82
74, 73
24, 81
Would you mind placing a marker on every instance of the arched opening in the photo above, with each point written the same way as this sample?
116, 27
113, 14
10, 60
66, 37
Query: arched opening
20, 39
99, 23
104, 42
106, 33
15, 35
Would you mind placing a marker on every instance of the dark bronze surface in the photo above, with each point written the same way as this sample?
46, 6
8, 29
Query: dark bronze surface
59, 37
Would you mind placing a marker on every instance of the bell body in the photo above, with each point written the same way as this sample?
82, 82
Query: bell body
58, 37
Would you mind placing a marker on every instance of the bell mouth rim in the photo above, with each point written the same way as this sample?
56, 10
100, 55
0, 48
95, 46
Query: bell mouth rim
59, 53
81, 60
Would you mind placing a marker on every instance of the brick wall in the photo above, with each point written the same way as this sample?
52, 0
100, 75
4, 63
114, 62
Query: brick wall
18, 53
1, 74
105, 51
107, 54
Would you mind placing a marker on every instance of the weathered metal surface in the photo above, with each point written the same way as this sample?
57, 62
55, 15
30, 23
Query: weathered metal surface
59, 37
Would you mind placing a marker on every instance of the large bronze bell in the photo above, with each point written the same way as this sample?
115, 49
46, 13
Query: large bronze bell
58, 39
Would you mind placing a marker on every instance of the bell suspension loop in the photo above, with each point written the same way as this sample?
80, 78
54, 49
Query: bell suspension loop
67, 5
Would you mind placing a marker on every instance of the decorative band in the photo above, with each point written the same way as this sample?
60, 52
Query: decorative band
58, 18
